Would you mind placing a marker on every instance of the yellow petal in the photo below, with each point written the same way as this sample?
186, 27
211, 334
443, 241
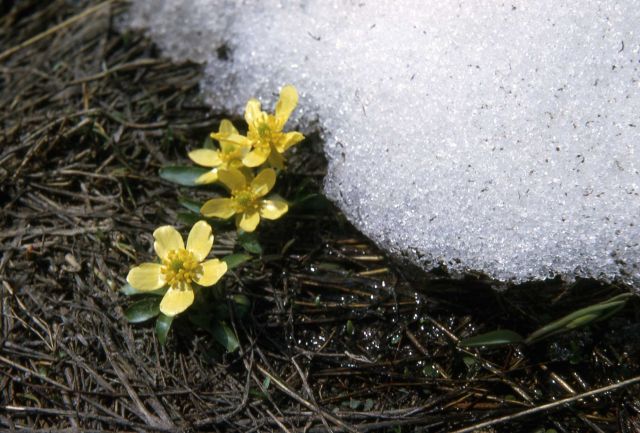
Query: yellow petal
248, 173
289, 139
273, 208
212, 271
252, 111
232, 179
200, 240
167, 239
248, 221
263, 182
175, 301
228, 147
226, 127
218, 207
234, 140
237, 164
208, 177
146, 277
256, 157
205, 157
287, 102
276, 160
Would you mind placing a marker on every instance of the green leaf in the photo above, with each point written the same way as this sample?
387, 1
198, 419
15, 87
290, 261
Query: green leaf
192, 205
470, 362
188, 218
208, 143
235, 260
221, 310
430, 371
301, 198
241, 305
288, 245
313, 202
163, 325
222, 333
499, 337
143, 310
582, 321
350, 328
182, 175
200, 319
128, 290
581, 317
332, 267
254, 392
249, 241
225, 336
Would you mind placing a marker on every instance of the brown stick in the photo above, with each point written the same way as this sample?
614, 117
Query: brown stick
284, 388
5, 54
549, 406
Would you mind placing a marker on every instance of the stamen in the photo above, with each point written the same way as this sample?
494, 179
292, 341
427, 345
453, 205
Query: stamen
264, 130
180, 267
244, 199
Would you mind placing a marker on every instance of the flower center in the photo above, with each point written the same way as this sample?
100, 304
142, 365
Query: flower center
244, 199
180, 268
267, 131
231, 155
264, 131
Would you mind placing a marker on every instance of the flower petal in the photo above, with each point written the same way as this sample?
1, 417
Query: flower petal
228, 147
200, 240
209, 177
256, 157
175, 301
248, 221
263, 182
167, 239
227, 140
238, 165
287, 102
289, 139
218, 207
226, 127
273, 208
252, 111
206, 157
146, 277
276, 160
212, 271
232, 179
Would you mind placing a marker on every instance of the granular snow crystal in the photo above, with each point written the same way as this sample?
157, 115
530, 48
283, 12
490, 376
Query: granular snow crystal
493, 136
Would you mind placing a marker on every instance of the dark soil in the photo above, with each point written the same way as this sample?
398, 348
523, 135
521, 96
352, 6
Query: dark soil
339, 338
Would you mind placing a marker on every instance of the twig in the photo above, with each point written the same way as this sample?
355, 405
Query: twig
53, 29
309, 392
549, 406
284, 388
16, 410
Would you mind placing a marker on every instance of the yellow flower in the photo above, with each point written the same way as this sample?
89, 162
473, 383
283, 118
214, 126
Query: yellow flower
246, 201
179, 268
233, 147
265, 134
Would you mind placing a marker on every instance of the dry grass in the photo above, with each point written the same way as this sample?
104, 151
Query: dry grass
339, 337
